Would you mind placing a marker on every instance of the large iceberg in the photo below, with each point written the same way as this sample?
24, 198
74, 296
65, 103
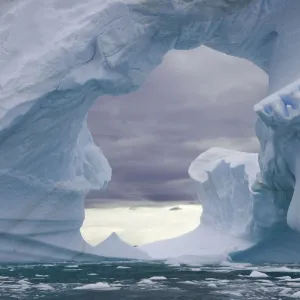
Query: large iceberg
57, 57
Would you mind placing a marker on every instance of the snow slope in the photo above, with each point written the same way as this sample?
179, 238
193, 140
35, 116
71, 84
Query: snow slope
57, 57
204, 243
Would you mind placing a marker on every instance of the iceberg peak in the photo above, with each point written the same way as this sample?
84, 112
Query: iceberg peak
114, 236
114, 246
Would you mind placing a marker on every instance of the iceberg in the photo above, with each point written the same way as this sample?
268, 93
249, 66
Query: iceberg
242, 219
224, 178
114, 246
58, 57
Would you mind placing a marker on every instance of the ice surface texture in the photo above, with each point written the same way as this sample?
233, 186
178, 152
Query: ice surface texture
57, 57
224, 179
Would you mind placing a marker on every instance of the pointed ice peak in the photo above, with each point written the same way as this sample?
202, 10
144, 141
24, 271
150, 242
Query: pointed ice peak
114, 246
113, 236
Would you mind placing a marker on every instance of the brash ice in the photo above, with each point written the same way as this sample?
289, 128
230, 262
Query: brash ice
57, 57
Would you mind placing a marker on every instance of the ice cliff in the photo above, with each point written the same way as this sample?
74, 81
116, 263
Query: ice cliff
57, 57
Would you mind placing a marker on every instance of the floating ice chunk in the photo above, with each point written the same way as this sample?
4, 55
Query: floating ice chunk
146, 282
211, 285
190, 282
44, 287
101, 286
23, 281
257, 274
231, 293
296, 295
285, 291
158, 278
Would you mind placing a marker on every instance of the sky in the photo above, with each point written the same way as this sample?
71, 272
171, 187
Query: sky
195, 100
140, 223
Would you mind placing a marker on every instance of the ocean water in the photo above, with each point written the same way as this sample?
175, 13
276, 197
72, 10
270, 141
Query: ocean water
141, 281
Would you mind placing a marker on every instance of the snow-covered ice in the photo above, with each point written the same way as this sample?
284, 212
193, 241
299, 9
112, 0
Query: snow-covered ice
114, 246
224, 179
146, 282
296, 295
102, 286
158, 278
57, 58
257, 274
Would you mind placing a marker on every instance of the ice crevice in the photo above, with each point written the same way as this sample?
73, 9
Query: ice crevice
58, 57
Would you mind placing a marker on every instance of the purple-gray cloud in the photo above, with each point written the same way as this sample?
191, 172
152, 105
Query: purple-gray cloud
195, 100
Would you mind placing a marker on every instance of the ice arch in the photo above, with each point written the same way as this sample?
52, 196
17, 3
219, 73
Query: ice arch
57, 57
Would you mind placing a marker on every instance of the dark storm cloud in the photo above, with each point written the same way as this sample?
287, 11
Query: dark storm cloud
193, 101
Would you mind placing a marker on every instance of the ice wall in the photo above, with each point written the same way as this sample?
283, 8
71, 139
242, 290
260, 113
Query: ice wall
224, 179
273, 222
223, 183
277, 125
57, 57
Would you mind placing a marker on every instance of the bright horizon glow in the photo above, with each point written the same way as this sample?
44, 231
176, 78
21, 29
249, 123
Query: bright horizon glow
139, 225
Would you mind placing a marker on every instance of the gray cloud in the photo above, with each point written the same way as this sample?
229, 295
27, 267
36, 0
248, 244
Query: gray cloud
195, 100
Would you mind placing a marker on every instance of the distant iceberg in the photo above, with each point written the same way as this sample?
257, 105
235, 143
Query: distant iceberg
58, 57
113, 246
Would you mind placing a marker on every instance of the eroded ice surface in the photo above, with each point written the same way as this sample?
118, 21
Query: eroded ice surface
114, 246
224, 178
57, 57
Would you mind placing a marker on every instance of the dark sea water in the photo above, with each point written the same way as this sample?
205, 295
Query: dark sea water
151, 281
